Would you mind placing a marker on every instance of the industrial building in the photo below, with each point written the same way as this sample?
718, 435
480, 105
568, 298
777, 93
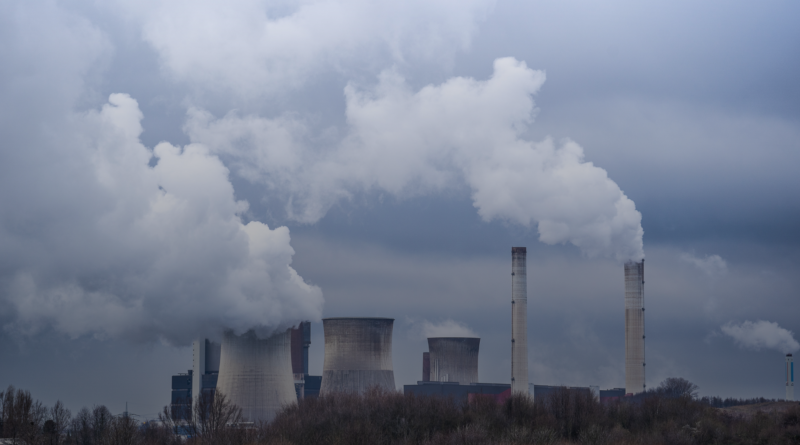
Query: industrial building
634, 327
206, 363
358, 355
453, 359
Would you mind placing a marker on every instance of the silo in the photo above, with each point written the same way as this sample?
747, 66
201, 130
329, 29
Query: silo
634, 327
256, 374
358, 355
454, 359
519, 320
789, 378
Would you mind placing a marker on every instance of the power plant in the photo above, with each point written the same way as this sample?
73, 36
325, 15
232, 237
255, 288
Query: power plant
634, 327
261, 376
256, 374
453, 359
789, 378
519, 321
358, 355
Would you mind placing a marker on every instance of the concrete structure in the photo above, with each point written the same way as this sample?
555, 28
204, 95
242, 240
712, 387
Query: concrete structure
358, 355
426, 366
519, 321
459, 393
301, 340
205, 366
256, 374
454, 359
634, 327
789, 378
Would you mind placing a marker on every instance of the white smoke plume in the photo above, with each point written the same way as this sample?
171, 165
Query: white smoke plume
464, 133
761, 335
260, 46
711, 265
139, 251
446, 328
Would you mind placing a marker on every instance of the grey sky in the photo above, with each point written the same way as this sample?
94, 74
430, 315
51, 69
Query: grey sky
111, 260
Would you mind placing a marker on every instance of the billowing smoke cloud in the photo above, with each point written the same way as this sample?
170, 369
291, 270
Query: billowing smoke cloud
446, 328
761, 335
712, 265
140, 251
464, 133
260, 46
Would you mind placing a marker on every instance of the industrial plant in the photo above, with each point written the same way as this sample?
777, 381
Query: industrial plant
261, 375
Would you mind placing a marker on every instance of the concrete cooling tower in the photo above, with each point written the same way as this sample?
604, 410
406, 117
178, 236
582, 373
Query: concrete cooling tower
634, 327
358, 355
519, 320
256, 374
454, 359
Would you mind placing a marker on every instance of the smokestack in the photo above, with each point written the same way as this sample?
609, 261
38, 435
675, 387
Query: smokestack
426, 366
519, 320
358, 355
454, 359
789, 378
634, 327
256, 374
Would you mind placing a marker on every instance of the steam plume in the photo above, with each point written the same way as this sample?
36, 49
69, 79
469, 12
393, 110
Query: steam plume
760, 335
462, 133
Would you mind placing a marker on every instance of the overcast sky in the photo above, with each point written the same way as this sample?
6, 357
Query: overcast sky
172, 169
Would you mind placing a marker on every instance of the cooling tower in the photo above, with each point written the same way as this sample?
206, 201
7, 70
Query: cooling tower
454, 359
634, 327
519, 320
256, 374
789, 378
358, 355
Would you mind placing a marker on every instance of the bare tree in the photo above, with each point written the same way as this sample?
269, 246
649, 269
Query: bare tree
214, 419
82, 427
123, 430
100, 423
678, 387
60, 417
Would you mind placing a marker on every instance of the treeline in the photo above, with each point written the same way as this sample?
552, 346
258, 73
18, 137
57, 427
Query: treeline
670, 414
719, 402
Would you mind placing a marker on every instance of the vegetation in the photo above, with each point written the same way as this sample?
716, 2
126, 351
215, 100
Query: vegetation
670, 414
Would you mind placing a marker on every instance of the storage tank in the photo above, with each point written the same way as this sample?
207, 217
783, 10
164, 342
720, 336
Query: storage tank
634, 327
454, 359
358, 355
256, 374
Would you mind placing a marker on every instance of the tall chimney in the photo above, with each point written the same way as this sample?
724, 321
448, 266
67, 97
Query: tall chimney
634, 327
519, 321
789, 378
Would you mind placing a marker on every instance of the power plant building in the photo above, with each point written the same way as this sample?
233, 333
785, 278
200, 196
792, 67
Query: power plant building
358, 355
453, 359
519, 321
634, 327
256, 374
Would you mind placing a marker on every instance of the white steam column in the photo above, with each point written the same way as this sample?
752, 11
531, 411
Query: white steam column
634, 327
519, 321
789, 378
256, 374
358, 355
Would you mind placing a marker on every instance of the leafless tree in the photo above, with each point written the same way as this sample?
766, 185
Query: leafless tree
678, 387
123, 430
82, 427
100, 422
213, 420
60, 417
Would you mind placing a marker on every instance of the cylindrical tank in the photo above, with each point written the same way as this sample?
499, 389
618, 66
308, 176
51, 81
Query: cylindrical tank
256, 374
358, 355
634, 327
789, 378
454, 359
519, 320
